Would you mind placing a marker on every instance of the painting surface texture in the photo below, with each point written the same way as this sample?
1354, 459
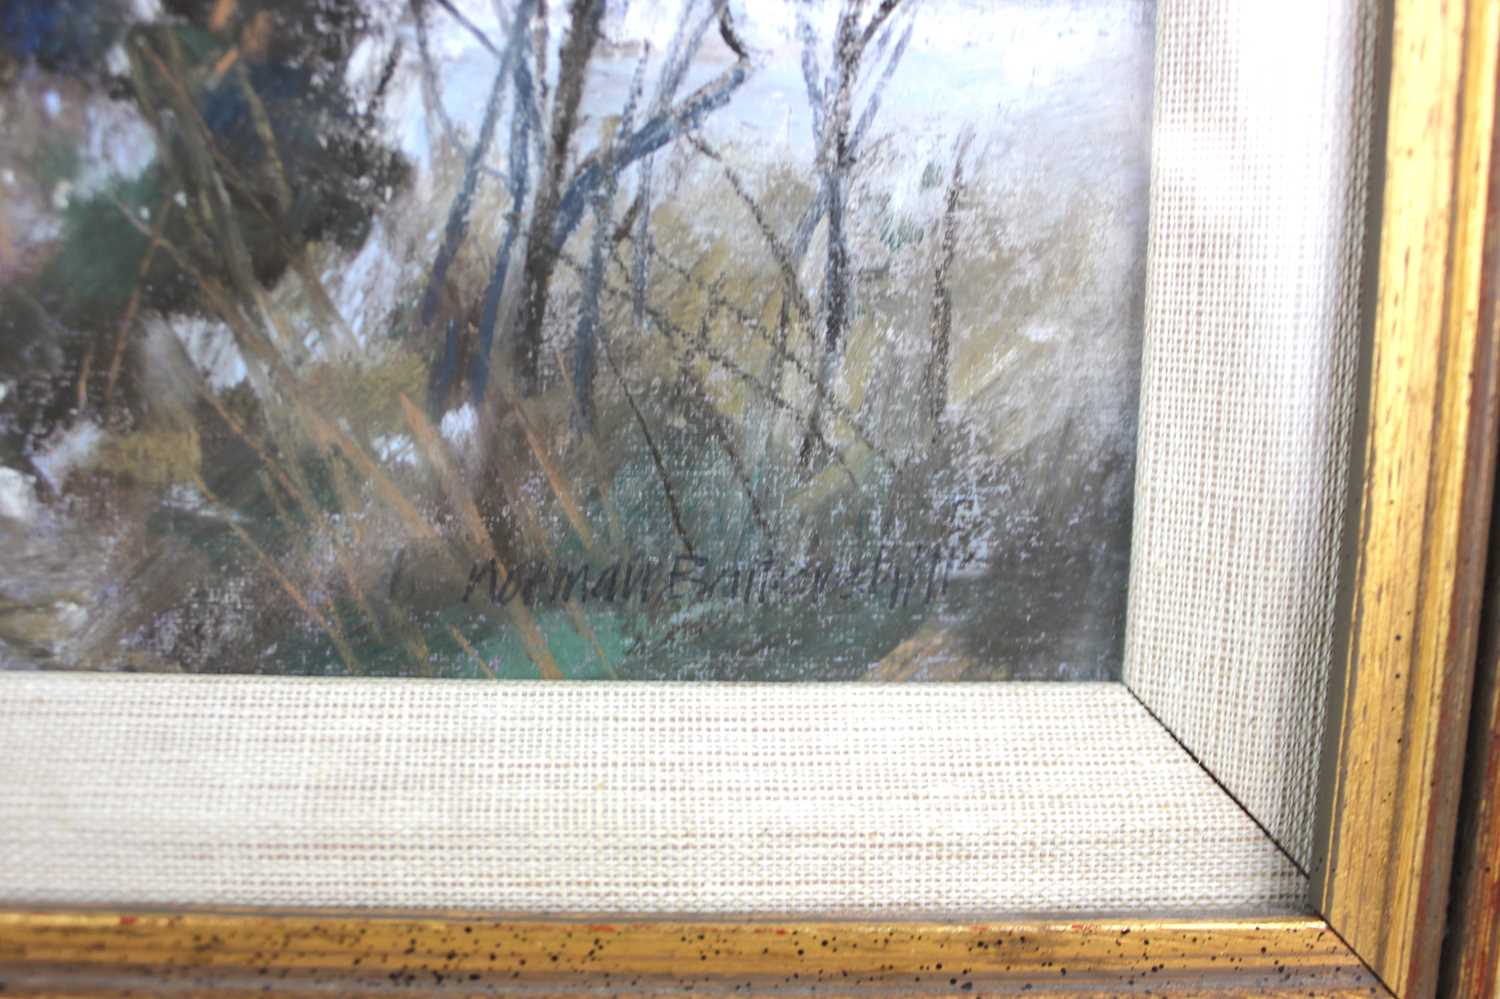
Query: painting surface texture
690, 340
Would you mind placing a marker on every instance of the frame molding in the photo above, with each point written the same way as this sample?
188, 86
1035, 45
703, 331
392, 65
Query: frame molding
1471, 950
230, 955
1397, 713
1471, 954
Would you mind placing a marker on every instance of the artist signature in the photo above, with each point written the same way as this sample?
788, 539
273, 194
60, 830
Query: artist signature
684, 579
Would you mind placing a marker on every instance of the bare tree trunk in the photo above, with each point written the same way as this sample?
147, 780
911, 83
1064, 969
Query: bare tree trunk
512, 65
935, 375
522, 128
585, 342
458, 213
846, 60
837, 158
578, 45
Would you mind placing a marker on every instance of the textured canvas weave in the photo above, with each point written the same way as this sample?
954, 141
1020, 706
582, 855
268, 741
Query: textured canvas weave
819, 799
1260, 137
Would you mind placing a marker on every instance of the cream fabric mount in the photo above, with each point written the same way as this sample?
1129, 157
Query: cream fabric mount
1260, 140
653, 798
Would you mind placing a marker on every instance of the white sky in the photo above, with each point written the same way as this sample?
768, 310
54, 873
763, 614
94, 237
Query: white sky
968, 60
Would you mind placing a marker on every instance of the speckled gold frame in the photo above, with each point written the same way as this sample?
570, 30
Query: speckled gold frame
1398, 708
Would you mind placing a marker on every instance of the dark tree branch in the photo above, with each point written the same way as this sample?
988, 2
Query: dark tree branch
665, 125
680, 52
661, 129
523, 125
473, 28
512, 67
752, 324
577, 46
881, 13
810, 74
847, 49
627, 221
729, 35
872, 105
701, 407
849, 46
657, 461
588, 316
539, 54
383, 83
807, 224
935, 375
458, 213
699, 345
779, 253
641, 276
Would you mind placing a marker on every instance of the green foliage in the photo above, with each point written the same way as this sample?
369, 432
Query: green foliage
90, 279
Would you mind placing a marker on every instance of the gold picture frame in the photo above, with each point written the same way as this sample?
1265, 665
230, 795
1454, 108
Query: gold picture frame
1398, 709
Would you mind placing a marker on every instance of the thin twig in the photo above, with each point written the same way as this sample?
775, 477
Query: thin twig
431, 94
715, 423
780, 253
464, 643
702, 346
752, 324
84, 369
472, 28
159, 226
656, 458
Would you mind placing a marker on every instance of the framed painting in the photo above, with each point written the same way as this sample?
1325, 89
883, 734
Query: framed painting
437, 434
587, 362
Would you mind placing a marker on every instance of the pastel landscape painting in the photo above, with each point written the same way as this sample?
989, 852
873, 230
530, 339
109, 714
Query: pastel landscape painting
532, 339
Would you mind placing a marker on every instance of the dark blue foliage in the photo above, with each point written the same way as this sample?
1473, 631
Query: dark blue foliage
66, 36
